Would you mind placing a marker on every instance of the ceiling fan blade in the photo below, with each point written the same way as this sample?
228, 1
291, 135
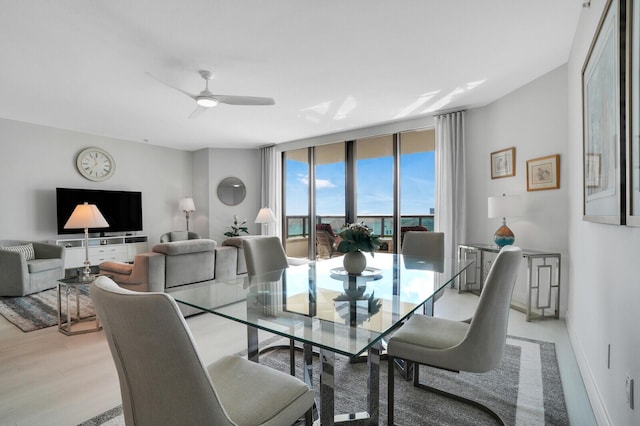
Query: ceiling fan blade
196, 112
192, 96
244, 100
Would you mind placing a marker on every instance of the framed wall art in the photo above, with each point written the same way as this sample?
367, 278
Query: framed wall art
543, 173
603, 100
503, 163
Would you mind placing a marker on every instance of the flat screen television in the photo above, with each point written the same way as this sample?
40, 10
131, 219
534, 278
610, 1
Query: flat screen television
121, 209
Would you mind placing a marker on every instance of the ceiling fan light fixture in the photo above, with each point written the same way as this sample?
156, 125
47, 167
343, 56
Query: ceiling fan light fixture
206, 101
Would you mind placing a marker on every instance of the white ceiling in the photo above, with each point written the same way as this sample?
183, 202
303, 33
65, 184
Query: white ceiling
330, 65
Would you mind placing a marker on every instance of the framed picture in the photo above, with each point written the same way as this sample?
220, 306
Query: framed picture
633, 114
603, 100
503, 163
543, 173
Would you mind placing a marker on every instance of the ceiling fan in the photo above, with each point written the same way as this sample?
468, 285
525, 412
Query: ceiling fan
205, 99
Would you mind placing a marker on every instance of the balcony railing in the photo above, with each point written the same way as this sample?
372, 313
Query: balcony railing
298, 226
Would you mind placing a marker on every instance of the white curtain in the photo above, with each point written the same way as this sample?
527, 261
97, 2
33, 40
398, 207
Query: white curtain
270, 191
450, 208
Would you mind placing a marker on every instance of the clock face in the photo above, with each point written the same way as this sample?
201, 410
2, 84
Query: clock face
95, 164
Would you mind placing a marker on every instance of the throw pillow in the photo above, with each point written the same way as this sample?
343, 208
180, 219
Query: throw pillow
26, 250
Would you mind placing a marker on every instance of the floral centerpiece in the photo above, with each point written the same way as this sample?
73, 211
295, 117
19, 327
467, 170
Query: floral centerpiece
356, 238
237, 228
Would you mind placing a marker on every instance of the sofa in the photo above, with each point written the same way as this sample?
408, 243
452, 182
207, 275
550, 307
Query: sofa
28, 267
173, 265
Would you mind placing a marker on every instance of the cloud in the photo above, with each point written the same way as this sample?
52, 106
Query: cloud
320, 183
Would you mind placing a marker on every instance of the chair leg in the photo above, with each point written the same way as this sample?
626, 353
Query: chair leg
416, 383
390, 390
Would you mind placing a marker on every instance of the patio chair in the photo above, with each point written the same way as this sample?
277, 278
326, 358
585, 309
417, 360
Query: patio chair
325, 240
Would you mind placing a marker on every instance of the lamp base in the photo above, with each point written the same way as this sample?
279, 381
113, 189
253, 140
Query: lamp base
86, 276
504, 236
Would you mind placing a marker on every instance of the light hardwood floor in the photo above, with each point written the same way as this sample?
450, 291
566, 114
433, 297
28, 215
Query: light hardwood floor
47, 378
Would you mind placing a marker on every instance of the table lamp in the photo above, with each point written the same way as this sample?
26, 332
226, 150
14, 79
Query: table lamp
187, 206
265, 217
505, 206
86, 216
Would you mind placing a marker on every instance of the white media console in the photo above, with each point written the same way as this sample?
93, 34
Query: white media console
121, 249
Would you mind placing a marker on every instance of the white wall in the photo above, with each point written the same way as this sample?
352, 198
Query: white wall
533, 119
210, 167
605, 289
34, 160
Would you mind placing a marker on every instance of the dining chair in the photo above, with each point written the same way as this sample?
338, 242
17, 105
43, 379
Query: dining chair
427, 247
163, 380
475, 345
264, 255
414, 228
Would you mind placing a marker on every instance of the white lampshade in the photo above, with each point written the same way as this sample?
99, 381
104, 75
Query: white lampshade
187, 205
504, 206
86, 216
265, 215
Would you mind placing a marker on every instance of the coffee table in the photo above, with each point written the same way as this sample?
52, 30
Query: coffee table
322, 307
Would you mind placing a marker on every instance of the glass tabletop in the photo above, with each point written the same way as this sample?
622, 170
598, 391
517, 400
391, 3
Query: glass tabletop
318, 303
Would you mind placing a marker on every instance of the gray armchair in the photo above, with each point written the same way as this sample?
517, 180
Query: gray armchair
28, 267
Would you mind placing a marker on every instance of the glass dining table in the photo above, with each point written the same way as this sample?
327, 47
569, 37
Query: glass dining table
321, 306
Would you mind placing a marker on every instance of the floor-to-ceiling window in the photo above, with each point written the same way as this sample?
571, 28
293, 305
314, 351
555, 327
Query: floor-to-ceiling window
375, 183
330, 189
417, 179
387, 182
295, 232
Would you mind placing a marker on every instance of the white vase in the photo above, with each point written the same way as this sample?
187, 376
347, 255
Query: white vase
354, 262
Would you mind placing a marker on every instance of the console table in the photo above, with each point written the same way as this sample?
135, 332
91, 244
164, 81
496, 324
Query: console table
101, 249
543, 278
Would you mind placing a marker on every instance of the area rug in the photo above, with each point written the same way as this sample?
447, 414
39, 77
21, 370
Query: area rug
524, 390
39, 310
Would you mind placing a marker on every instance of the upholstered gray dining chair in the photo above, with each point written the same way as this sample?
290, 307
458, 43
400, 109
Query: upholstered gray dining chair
427, 247
163, 380
475, 345
264, 255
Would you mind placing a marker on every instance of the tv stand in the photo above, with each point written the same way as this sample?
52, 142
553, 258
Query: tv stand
120, 249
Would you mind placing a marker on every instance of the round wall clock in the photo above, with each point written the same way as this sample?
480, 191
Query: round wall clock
95, 164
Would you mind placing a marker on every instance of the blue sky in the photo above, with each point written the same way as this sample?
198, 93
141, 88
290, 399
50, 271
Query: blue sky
375, 191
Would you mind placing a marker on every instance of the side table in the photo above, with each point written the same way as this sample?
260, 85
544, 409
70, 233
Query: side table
543, 278
70, 315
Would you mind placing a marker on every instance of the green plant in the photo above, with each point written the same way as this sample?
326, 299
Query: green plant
237, 228
358, 237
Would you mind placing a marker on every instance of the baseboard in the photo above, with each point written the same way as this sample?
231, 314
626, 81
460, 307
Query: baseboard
595, 397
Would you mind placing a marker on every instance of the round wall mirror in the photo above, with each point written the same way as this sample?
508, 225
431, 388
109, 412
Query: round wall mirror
231, 191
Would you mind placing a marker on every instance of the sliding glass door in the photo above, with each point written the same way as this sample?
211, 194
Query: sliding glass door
387, 182
417, 181
375, 193
296, 195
